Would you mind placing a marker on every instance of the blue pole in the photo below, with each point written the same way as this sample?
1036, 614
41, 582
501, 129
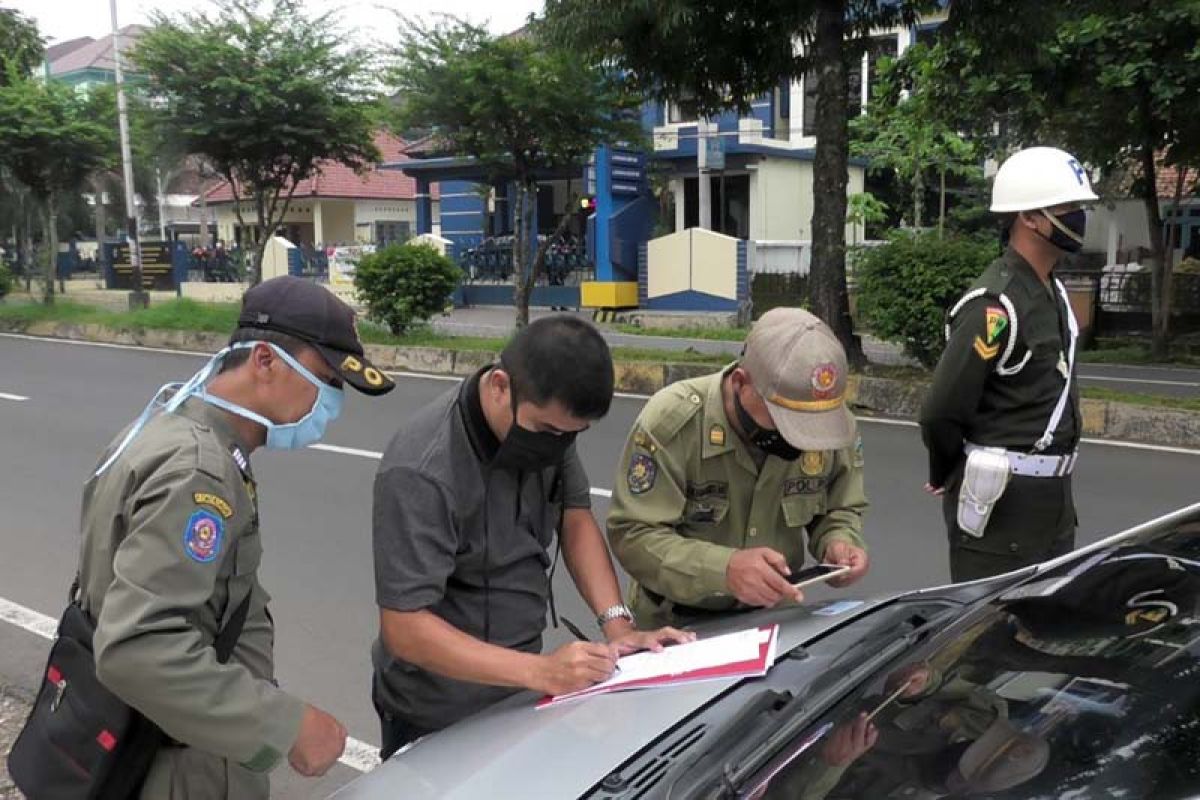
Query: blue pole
604, 212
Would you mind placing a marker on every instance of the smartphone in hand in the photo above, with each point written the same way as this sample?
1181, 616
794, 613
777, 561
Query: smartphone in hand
816, 574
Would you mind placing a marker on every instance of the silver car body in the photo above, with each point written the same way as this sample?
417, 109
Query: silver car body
514, 750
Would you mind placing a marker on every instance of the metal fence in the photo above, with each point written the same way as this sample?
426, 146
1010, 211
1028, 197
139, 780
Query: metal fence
1121, 301
492, 262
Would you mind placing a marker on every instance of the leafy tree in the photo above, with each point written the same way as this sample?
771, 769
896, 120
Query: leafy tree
21, 50
865, 209
405, 284
1114, 83
265, 95
899, 133
516, 105
21, 46
51, 145
723, 54
906, 286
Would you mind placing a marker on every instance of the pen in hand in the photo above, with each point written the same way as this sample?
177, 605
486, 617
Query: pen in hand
578, 634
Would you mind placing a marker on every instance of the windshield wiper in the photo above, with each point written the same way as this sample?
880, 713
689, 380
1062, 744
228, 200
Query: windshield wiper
753, 735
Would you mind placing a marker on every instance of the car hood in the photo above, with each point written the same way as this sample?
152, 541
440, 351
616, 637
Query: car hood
566, 750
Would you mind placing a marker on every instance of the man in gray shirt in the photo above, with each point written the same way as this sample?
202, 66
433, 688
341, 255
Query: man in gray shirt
468, 498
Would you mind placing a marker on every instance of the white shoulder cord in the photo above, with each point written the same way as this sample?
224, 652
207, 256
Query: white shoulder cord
1073, 325
1002, 366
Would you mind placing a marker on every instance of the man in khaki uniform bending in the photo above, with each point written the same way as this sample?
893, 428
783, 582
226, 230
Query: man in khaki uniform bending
171, 548
725, 477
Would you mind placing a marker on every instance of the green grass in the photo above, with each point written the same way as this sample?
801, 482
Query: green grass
1134, 354
181, 315
709, 334
1151, 400
191, 315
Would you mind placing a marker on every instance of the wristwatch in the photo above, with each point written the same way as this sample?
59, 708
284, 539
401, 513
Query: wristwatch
614, 612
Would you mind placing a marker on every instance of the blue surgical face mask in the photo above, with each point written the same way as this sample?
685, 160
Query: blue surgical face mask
291, 435
287, 436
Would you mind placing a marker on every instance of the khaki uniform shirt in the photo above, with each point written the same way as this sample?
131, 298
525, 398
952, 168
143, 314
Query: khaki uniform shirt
689, 493
170, 548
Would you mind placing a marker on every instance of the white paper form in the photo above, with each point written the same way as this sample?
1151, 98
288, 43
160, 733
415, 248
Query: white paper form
718, 651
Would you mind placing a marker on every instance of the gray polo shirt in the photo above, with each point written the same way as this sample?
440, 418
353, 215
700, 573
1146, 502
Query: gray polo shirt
465, 541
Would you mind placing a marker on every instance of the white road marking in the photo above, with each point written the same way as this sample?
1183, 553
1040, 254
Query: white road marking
358, 755
598, 492
1139, 380
16, 397
354, 451
1159, 448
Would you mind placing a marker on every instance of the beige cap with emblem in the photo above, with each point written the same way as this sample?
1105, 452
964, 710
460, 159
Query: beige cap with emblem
799, 367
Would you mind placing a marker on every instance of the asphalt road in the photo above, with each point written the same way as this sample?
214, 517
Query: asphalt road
316, 511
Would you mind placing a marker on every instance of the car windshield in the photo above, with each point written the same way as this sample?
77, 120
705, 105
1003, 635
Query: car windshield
1080, 684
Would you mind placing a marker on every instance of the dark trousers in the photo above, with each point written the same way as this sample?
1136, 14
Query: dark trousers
394, 732
1034, 521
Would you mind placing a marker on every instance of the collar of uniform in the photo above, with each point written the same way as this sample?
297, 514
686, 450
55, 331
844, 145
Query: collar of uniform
483, 441
214, 418
714, 417
1024, 272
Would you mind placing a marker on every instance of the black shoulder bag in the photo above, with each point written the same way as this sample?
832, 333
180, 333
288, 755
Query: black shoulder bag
82, 742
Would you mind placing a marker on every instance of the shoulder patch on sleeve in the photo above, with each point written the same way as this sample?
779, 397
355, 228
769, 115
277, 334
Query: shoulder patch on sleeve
996, 322
203, 536
213, 501
858, 451
641, 474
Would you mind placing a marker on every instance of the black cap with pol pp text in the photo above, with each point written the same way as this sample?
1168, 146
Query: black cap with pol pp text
312, 314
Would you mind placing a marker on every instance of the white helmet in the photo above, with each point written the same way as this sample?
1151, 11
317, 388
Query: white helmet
1040, 177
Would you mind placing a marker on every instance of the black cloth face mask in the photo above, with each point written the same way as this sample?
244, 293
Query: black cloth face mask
524, 450
768, 440
1074, 221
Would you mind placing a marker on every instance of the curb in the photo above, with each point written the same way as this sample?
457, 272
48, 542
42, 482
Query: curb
872, 396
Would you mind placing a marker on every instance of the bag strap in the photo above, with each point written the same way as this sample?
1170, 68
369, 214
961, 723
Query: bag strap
227, 637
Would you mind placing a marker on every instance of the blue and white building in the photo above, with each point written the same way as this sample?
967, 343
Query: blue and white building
746, 179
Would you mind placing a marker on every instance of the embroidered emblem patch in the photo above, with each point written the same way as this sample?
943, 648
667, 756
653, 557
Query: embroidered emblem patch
812, 462
716, 436
824, 381
202, 536
984, 350
996, 323
213, 501
642, 472
858, 452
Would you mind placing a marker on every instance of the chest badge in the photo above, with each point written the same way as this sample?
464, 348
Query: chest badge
812, 462
716, 436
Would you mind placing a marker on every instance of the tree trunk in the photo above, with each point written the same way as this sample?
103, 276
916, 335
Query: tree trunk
1168, 279
522, 284
1158, 320
918, 200
203, 218
942, 204
101, 223
827, 283
27, 243
52, 247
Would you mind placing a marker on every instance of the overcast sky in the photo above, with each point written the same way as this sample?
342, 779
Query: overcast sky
60, 20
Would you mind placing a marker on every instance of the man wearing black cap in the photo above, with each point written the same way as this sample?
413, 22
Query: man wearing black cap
171, 548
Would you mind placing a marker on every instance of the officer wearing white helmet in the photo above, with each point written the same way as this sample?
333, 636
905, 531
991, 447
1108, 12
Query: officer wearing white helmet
1002, 419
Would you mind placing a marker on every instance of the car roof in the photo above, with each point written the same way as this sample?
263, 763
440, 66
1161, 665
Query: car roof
566, 750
